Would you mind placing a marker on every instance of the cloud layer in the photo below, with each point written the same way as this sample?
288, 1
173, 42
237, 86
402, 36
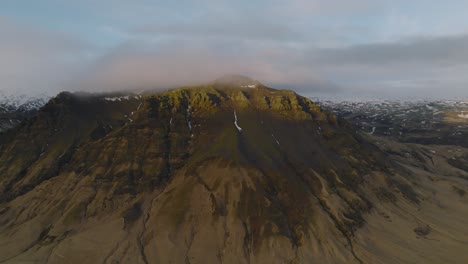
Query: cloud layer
35, 60
357, 48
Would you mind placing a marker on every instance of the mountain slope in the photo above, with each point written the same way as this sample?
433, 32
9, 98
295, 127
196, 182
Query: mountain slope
208, 174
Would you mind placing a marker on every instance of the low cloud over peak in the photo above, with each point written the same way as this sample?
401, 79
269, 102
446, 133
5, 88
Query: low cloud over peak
361, 47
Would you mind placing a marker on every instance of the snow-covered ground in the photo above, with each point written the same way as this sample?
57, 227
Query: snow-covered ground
15, 108
409, 120
22, 102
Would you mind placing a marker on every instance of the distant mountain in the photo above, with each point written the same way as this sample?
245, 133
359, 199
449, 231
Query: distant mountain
221, 173
16, 108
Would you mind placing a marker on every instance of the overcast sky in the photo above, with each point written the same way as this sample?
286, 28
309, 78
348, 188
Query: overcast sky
369, 48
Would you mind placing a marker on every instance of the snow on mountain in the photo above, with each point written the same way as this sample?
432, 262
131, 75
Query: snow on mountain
440, 121
22, 102
15, 108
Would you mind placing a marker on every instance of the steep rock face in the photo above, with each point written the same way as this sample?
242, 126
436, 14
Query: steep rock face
194, 175
40, 148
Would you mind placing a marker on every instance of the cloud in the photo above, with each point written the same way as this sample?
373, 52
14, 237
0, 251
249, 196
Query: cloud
34, 59
434, 66
174, 63
445, 50
410, 66
371, 47
248, 28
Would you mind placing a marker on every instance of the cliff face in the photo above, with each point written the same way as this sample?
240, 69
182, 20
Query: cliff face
202, 174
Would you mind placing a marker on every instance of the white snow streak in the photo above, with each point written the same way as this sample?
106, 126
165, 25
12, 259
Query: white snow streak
277, 142
113, 99
249, 86
189, 124
235, 122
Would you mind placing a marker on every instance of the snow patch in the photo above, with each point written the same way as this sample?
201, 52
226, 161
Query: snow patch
23, 102
277, 142
249, 86
118, 99
189, 124
128, 118
431, 108
235, 122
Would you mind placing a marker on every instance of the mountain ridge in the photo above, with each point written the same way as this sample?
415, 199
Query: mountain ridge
150, 177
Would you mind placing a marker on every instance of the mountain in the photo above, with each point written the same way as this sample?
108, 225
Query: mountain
221, 173
15, 109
